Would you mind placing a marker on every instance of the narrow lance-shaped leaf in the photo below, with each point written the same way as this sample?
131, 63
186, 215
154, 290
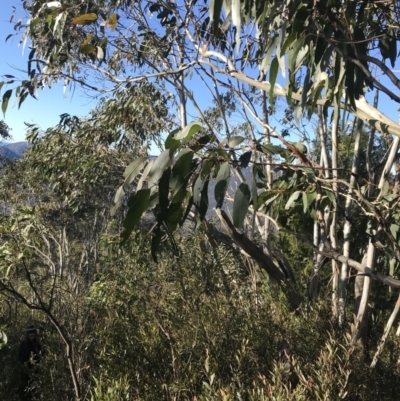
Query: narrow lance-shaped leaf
84, 19
158, 167
186, 133
235, 141
181, 170
215, 11
273, 73
6, 98
137, 206
221, 183
163, 187
133, 170
241, 204
292, 199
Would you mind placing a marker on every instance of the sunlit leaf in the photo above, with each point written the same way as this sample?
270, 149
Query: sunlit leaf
84, 19
293, 198
235, 141
186, 133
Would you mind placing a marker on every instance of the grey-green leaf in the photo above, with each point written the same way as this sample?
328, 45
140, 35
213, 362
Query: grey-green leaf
293, 198
186, 133
137, 206
158, 167
235, 141
241, 204
6, 98
221, 184
133, 170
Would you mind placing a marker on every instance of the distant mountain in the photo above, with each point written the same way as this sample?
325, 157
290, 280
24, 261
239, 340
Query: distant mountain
7, 153
13, 150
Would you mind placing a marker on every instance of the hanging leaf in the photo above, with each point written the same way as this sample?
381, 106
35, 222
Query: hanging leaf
119, 196
88, 49
133, 170
185, 134
84, 19
293, 198
241, 204
163, 187
235, 141
215, 11
273, 73
305, 202
137, 206
158, 167
221, 183
6, 98
181, 170
245, 159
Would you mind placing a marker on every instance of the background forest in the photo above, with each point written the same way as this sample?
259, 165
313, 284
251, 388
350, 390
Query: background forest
256, 255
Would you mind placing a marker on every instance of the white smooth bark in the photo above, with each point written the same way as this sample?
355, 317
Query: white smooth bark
363, 307
389, 325
344, 271
333, 227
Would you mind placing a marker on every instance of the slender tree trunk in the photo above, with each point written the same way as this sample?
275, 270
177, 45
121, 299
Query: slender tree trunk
319, 232
344, 271
362, 310
268, 171
389, 325
370, 145
333, 227
389, 162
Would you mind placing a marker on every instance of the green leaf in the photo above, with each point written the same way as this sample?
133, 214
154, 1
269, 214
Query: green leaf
181, 170
269, 149
3, 338
241, 204
84, 19
235, 140
88, 49
133, 170
144, 175
170, 142
6, 98
137, 206
293, 198
163, 187
187, 211
245, 159
311, 196
273, 73
305, 202
215, 11
158, 167
185, 134
200, 196
394, 228
221, 183
118, 199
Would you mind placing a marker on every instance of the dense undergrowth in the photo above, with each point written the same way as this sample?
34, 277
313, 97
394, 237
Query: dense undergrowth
198, 326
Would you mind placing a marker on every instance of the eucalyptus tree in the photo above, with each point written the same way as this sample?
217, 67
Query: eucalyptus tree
321, 58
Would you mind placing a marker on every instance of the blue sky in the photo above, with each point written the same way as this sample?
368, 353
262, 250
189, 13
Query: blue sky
53, 102
50, 104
